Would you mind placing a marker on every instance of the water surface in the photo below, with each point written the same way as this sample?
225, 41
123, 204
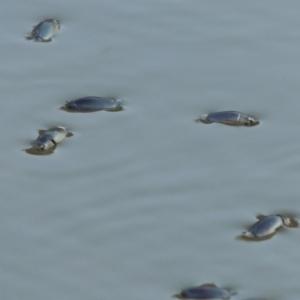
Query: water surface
146, 202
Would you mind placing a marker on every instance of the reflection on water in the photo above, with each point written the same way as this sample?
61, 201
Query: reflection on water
254, 238
34, 151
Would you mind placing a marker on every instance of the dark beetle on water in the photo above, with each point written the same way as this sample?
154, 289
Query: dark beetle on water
49, 138
205, 291
268, 225
90, 104
44, 31
234, 118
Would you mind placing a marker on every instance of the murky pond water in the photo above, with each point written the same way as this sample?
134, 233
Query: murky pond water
145, 202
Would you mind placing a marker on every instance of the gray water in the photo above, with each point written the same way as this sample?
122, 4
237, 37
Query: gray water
142, 203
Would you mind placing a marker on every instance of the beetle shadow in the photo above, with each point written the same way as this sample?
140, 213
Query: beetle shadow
242, 237
34, 151
117, 109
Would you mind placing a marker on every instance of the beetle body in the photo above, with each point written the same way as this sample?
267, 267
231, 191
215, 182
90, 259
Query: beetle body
205, 291
234, 118
90, 104
44, 31
49, 138
266, 226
